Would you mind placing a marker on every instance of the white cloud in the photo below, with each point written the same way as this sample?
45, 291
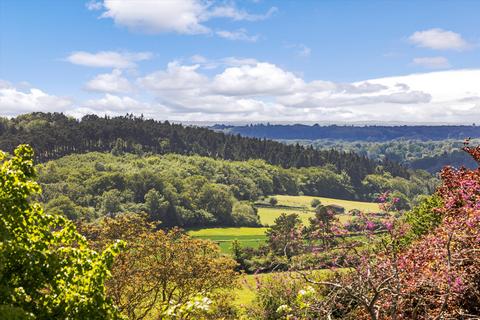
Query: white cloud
14, 101
180, 16
116, 104
176, 77
439, 39
240, 34
112, 82
108, 59
258, 79
205, 63
432, 62
262, 91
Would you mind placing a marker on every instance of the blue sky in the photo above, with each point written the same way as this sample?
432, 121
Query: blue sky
340, 61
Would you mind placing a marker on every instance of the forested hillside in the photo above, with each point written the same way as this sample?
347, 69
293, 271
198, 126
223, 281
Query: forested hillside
352, 133
429, 155
53, 135
198, 191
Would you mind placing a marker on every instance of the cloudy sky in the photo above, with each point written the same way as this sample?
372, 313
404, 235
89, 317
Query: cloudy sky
250, 60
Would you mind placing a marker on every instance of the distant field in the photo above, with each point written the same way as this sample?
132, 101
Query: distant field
254, 237
268, 215
304, 201
247, 237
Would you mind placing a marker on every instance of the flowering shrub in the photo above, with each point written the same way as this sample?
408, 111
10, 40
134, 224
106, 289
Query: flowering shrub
437, 276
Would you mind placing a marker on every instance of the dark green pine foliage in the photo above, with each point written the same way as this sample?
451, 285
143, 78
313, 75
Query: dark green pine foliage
54, 135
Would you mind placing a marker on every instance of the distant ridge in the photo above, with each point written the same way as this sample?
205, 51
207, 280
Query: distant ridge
351, 132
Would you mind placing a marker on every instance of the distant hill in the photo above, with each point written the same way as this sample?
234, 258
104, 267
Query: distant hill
429, 155
54, 135
352, 133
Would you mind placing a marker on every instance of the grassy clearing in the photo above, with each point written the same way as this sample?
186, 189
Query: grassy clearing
247, 237
268, 215
254, 237
304, 201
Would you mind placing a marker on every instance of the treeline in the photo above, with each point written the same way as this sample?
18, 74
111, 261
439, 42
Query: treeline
352, 133
54, 135
194, 191
430, 155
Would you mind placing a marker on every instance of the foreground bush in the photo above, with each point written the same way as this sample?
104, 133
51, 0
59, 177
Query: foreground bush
437, 276
163, 274
47, 270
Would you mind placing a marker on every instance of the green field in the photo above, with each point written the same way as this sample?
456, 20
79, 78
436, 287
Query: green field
254, 237
268, 215
304, 201
248, 237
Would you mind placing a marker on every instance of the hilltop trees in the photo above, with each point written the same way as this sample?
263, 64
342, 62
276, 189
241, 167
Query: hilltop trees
47, 270
187, 191
54, 135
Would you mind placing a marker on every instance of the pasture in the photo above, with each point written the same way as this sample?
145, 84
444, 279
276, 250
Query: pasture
304, 202
247, 237
254, 237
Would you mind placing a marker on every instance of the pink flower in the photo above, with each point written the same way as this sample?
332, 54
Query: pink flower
370, 225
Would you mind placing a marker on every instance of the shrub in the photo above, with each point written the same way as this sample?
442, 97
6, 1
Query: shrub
315, 203
46, 268
273, 201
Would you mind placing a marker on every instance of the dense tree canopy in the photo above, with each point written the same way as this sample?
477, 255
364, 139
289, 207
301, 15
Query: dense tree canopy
55, 135
194, 191
430, 155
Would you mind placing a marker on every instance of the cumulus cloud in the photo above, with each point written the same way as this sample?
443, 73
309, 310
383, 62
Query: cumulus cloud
432, 62
263, 91
112, 82
258, 79
205, 63
14, 101
439, 39
175, 78
179, 16
108, 59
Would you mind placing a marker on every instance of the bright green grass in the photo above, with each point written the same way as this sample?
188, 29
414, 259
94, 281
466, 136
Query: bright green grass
242, 231
304, 201
254, 237
247, 237
268, 215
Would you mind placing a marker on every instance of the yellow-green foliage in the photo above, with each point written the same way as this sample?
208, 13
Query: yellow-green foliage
46, 269
246, 292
